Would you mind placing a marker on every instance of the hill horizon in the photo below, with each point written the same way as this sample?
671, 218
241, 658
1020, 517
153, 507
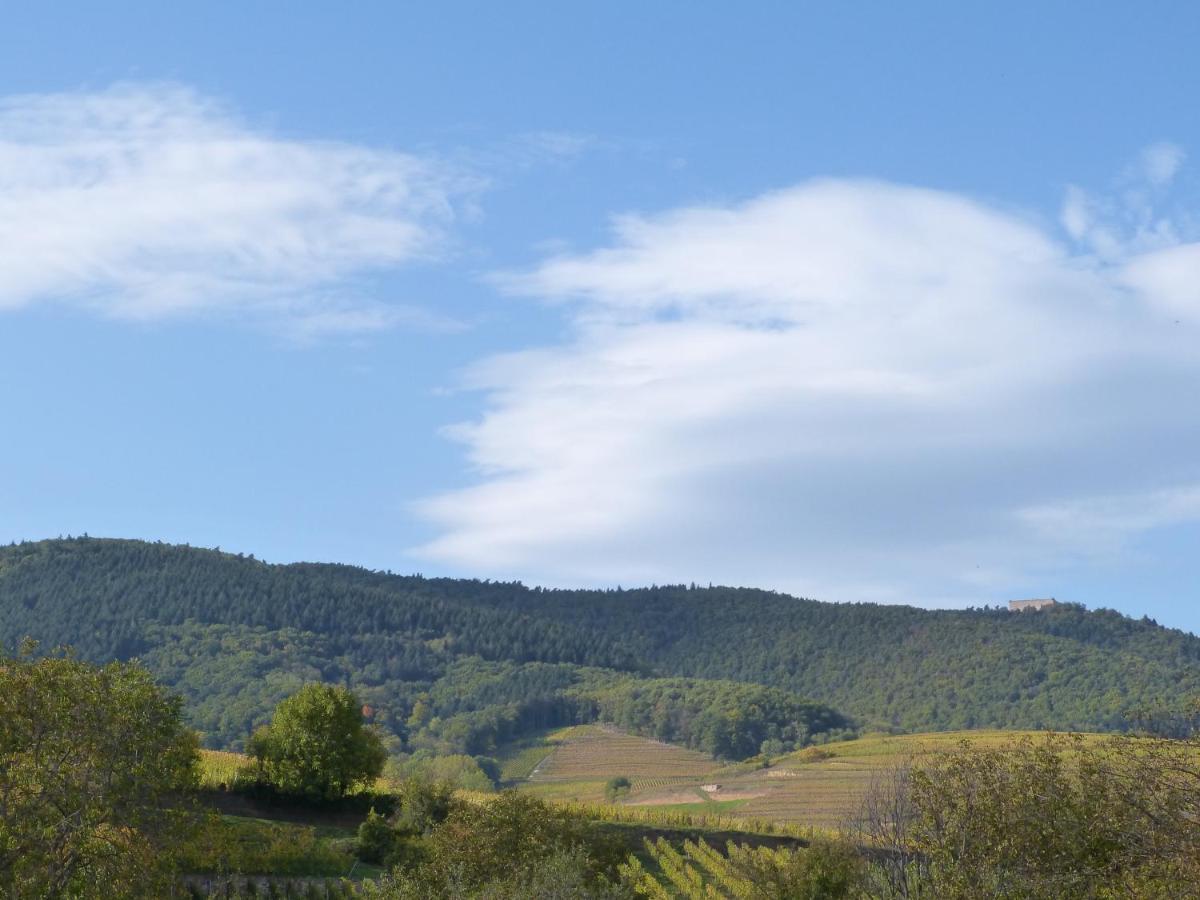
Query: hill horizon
464, 664
534, 585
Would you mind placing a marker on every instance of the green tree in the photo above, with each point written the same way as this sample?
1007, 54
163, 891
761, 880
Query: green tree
90, 761
316, 745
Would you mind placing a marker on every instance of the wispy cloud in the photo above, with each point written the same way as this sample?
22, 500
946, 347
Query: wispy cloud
1160, 162
149, 201
849, 389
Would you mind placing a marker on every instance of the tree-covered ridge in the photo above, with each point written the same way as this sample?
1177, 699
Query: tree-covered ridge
725, 718
1065, 667
116, 586
458, 665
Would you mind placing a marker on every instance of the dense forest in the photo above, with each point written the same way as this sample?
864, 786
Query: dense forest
460, 666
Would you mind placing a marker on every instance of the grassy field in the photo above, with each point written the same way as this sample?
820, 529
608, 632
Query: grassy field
218, 768
818, 787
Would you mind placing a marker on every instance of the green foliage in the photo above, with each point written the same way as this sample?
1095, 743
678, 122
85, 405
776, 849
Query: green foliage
513, 846
514, 832
459, 770
221, 771
560, 875
1058, 818
228, 844
316, 746
376, 839
615, 788
823, 871
898, 667
724, 718
423, 806
90, 760
462, 667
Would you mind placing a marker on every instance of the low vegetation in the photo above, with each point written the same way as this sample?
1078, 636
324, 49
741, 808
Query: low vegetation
825, 869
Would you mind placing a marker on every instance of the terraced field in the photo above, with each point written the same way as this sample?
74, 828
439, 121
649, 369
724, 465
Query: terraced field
591, 752
820, 787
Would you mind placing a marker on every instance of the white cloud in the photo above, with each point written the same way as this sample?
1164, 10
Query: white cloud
1113, 227
1160, 162
847, 389
1168, 278
1101, 525
146, 201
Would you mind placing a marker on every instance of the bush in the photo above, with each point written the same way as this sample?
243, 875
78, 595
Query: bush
616, 788
376, 839
1058, 817
515, 833
462, 771
423, 806
256, 847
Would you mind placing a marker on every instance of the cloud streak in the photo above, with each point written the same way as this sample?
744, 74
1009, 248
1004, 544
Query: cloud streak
150, 201
849, 389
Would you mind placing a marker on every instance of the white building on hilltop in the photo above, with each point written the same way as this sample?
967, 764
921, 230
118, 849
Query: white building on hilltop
1023, 605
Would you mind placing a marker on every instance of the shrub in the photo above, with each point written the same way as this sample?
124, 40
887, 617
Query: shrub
376, 839
616, 788
423, 805
462, 771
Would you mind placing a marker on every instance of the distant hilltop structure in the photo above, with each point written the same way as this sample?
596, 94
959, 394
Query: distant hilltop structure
1023, 605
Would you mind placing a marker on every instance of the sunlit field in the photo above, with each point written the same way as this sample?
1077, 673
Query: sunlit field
819, 787
219, 768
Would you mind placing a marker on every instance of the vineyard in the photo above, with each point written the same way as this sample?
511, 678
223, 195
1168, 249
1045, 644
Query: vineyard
219, 769
699, 870
818, 787
589, 752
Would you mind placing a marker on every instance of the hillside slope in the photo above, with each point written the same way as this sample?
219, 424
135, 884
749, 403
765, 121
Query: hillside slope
235, 634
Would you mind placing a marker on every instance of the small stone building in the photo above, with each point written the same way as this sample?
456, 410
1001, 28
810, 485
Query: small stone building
1023, 605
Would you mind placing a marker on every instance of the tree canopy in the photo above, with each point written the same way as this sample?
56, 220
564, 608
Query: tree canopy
316, 745
460, 666
89, 758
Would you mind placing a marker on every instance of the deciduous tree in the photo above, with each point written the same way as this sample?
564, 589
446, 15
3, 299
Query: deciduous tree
317, 746
90, 761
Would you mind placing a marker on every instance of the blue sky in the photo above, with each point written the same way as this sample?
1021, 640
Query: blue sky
857, 301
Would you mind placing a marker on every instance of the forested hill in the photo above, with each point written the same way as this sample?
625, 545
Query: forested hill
234, 634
